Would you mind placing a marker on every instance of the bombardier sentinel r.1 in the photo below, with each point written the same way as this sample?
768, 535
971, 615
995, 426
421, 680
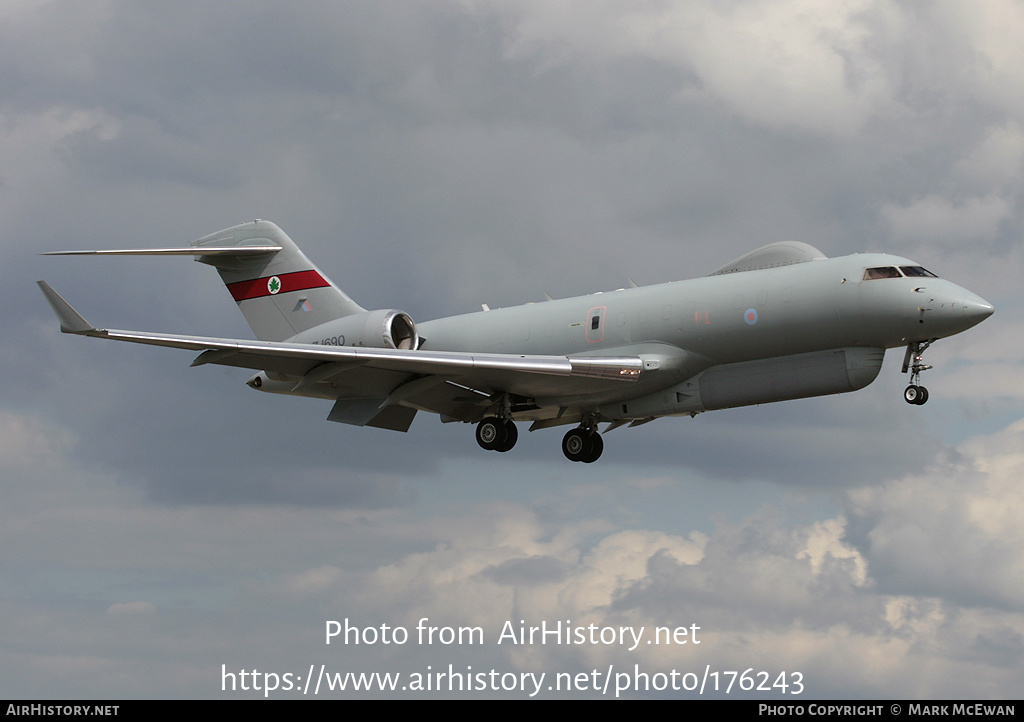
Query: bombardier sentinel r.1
782, 322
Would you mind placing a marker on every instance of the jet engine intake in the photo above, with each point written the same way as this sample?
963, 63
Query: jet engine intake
384, 328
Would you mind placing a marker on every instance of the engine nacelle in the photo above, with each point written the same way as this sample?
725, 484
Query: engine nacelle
385, 328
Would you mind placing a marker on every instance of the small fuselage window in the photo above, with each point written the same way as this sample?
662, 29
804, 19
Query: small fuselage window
873, 274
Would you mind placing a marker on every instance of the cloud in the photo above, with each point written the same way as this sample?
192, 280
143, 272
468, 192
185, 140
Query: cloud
786, 65
131, 609
930, 570
953, 532
919, 568
998, 158
984, 42
988, 369
945, 222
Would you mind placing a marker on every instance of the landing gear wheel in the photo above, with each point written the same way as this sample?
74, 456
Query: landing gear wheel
511, 437
913, 363
596, 447
582, 445
916, 395
491, 433
576, 444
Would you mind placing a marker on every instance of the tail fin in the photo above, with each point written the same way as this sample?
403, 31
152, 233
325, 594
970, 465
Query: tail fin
280, 292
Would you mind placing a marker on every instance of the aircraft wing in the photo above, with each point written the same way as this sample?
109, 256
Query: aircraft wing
382, 371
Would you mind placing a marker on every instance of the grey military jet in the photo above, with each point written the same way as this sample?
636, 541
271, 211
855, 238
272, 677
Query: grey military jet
782, 322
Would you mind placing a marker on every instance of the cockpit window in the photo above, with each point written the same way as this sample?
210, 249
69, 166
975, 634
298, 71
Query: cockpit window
871, 274
916, 272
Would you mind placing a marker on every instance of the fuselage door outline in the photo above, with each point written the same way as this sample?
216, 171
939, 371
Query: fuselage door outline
595, 324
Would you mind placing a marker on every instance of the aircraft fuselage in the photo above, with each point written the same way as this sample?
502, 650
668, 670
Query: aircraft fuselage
691, 326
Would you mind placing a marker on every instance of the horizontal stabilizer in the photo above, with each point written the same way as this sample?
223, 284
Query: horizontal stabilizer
190, 251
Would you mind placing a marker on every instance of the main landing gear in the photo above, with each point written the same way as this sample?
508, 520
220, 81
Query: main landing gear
494, 434
580, 444
915, 393
583, 444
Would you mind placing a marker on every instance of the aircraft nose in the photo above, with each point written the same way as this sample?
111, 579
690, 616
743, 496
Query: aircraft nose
976, 309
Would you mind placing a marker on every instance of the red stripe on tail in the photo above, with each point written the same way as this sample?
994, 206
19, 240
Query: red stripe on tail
290, 282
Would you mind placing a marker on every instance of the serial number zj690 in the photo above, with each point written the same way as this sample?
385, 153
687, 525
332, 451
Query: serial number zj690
332, 341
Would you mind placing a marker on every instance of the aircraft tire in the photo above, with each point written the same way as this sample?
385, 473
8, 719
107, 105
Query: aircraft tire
576, 444
491, 433
922, 396
596, 447
912, 395
511, 437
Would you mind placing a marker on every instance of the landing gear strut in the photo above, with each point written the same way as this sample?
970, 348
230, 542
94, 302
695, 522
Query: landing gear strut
915, 393
582, 444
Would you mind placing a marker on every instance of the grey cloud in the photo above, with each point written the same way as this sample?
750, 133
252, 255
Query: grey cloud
949, 531
529, 571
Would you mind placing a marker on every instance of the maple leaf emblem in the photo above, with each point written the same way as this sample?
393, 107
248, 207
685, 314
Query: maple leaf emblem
274, 284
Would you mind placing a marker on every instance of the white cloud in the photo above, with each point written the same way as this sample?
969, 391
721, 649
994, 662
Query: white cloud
926, 572
942, 221
998, 158
28, 142
954, 531
790, 65
825, 543
131, 609
985, 40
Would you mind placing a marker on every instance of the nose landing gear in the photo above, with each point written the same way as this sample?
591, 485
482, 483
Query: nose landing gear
915, 393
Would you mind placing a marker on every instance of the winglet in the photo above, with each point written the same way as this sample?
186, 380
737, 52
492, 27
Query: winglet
71, 321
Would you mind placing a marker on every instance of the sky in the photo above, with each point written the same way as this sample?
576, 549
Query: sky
164, 528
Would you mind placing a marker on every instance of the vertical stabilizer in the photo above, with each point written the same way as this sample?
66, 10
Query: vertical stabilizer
280, 294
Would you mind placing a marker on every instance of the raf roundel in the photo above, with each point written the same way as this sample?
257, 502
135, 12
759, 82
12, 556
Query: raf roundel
273, 285
750, 316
